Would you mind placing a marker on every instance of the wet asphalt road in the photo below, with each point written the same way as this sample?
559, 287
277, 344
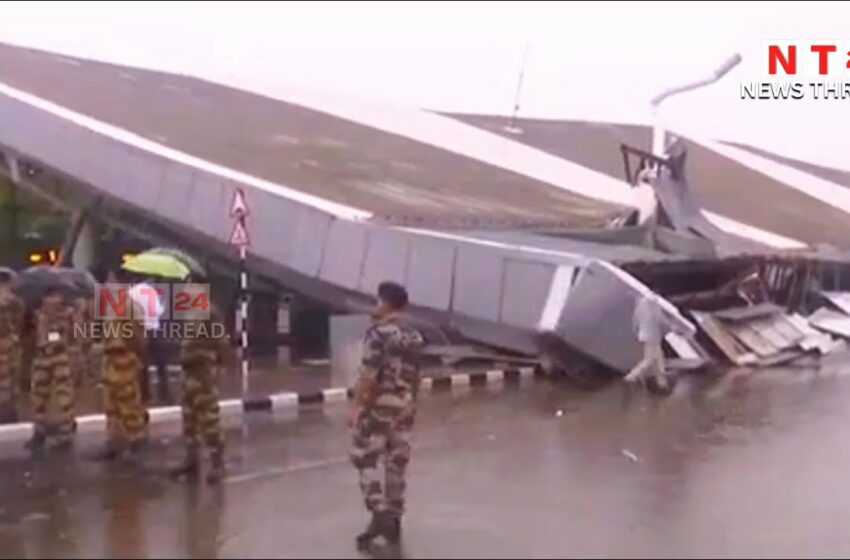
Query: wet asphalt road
750, 465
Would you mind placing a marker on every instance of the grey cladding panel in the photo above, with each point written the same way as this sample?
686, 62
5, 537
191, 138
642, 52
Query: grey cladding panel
271, 223
119, 159
386, 258
525, 291
344, 253
144, 179
12, 119
604, 302
87, 154
33, 132
429, 276
204, 207
176, 192
478, 282
73, 152
98, 174
308, 242
92, 159
7, 116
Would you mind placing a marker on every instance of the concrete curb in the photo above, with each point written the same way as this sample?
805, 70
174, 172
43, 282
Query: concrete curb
289, 400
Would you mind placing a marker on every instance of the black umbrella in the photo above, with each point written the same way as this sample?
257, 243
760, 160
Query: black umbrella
7, 274
83, 281
32, 284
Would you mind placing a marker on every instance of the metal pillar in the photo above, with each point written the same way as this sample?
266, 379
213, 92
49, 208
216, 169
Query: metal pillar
658, 129
70, 243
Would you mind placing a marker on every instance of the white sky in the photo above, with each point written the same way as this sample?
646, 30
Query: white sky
591, 61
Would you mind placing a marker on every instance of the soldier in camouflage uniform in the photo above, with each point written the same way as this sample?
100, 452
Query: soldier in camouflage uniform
126, 416
52, 382
202, 356
385, 407
11, 323
80, 349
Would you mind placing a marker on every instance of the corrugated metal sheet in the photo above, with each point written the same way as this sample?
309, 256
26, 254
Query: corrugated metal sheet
813, 339
831, 321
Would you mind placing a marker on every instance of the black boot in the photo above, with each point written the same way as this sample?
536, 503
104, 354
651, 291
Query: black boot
373, 531
391, 529
216, 473
65, 445
111, 452
190, 467
37, 442
135, 451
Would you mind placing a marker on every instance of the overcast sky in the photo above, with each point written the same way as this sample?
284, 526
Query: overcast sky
595, 61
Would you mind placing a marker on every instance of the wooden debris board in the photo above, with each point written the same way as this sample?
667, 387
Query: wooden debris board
731, 348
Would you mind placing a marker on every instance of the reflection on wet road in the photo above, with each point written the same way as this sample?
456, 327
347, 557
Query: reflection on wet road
750, 464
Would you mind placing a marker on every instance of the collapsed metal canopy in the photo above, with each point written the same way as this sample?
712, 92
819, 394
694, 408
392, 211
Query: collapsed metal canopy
395, 179
727, 185
496, 291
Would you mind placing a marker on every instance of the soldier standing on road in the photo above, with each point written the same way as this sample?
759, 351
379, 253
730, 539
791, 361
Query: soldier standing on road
202, 355
384, 411
11, 323
52, 383
126, 417
80, 349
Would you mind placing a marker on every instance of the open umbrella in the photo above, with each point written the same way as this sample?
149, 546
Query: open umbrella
82, 280
7, 274
32, 284
157, 264
194, 265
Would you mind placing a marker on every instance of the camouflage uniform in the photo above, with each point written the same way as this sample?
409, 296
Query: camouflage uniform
126, 417
11, 323
382, 430
52, 383
80, 349
201, 358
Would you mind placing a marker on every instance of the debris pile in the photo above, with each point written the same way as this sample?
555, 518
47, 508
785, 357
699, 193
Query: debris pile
766, 334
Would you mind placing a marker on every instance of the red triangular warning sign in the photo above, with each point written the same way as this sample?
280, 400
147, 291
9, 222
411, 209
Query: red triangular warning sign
239, 207
239, 236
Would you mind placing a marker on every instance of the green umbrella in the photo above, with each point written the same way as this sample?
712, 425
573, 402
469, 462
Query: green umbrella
157, 264
194, 265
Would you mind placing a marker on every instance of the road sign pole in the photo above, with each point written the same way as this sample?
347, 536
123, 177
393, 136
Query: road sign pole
243, 314
239, 211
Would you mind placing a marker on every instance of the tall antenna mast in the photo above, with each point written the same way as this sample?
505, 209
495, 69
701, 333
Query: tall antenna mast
512, 127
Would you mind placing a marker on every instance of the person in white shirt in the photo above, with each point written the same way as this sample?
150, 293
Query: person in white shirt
146, 297
651, 326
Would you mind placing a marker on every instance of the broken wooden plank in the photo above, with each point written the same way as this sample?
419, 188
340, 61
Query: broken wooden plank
726, 343
781, 358
752, 339
748, 312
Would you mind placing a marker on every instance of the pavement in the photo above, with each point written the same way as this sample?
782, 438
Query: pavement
270, 376
266, 378
750, 464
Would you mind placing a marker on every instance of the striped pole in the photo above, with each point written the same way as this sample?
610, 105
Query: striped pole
243, 313
240, 238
